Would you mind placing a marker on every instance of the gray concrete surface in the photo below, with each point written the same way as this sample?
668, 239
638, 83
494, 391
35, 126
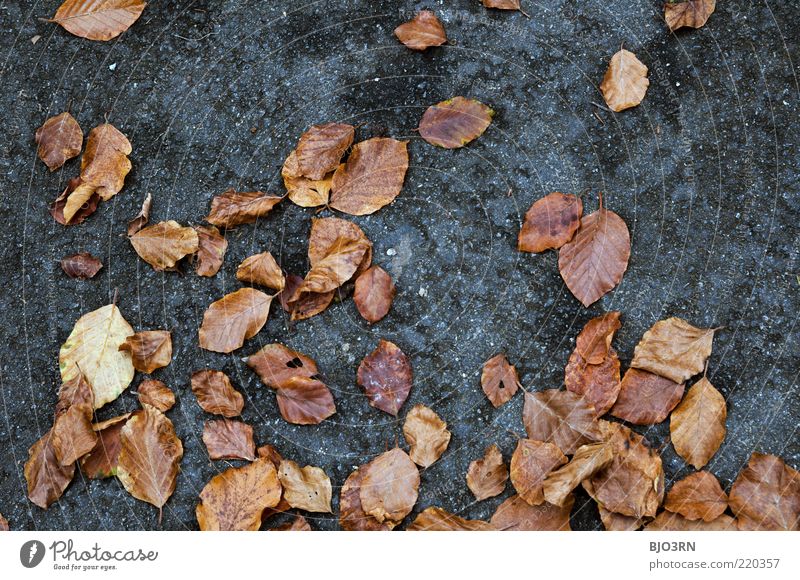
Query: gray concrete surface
214, 94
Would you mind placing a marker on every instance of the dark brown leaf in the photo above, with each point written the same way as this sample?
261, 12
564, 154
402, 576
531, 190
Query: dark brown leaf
163, 244
594, 341
156, 394
72, 436
766, 495
150, 349
531, 463
389, 486
320, 149
234, 318
276, 364
697, 496
351, 513
674, 349
59, 139
98, 20
82, 266
262, 269
103, 459
435, 519
588, 460
215, 393
550, 223
426, 434
645, 398
515, 514
142, 217
293, 282
499, 380
227, 439
691, 13
304, 305
422, 31
47, 478
211, 247
697, 425
487, 476
232, 208
374, 294
86, 209
385, 375
304, 401
561, 417
598, 384
455, 122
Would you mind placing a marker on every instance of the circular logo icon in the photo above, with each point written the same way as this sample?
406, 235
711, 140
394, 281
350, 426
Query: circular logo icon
31, 553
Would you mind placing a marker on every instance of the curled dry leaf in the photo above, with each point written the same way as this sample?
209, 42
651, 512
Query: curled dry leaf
46, 477
298, 524
374, 294
306, 488
156, 394
86, 209
320, 149
427, 435
351, 513
550, 223
499, 380
149, 349
422, 31
625, 82
502, 4
232, 208
163, 244
598, 384
515, 514
766, 495
276, 364
594, 341
389, 486
98, 20
697, 496
531, 463
215, 393
261, 269
235, 499
455, 122
697, 425
674, 349
691, 13
385, 375
614, 522
671, 522
227, 439
435, 519
293, 282
234, 318
645, 398
588, 460
372, 177
72, 435
149, 457
337, 267
593, 262
211, 247
59, 139
304, 401
301, 190
82, 266
92, 349
561, 417
142, 217
103, 459
487, 476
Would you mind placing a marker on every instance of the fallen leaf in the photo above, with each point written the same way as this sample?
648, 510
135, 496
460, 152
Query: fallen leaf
98, 20
293, 282
455, 122
561, 417
149, 457
3, 524
766, 495
697, 425
645, 398
76, 391
499, 380
351, 513
261, 269
422, 31
163, 244
670, 522
234, 318
225, 439
691, 13
324, 234
337, 267
215, 393
598, 384
304, 401
92, 349
550, 223
150, 349
72, 435
502, 4
46, 477
306, 488
435, 519
298, 524
211, 248
674, 349
614, 522
142, 217
235, 499
515, 514
276, 364
426, 434
82, 266
156, 394
531, 463
389, 486
385, 375
625, 82
301, 190
594, 341
321, 147
304, 305
59, 139
697, 496
588, 460
86, 209
372, 177
487, 476
103, 459
232, 208
593, 262
374, 294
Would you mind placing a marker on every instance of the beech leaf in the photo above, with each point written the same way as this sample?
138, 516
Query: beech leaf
550, 223
499, 380
142, 217
232, 208
531, 463
389, 486
766, 495
324, 234
697, 425
697, 496
434, 519
150, 349
674, 349
234, 318
625, 82
351, 513
86, 209
276, 364
690, 13
588, 460
598, 384
46, 477
59, 139
261, 269
82, 266
211, 248
72, 435
515, 514
98, 19
487, 476
215, 393
455, 122
225, 439
564, 418
671, 522
163, 244
301, 190
374, 294
298, 524
422, 31
337, 267
385, 375
156, 394
614, 522
103, 459
502, 4
304, 401
645, 398
594, 341
427, 435
321, 147
306, 488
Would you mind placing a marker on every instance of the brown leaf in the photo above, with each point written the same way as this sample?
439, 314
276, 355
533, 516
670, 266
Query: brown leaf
324, 234
487, 476
234, 318
351, 513
86, 209
149, 457
227, 439
645, 398
674, 349
307, 304
72, 436
766, 495
47, 478
374, 294
293, 282
427, 435
515, 514
150, 349
562, 418
550, 223
435, 519
588, 460
422, 31
215, 393
142, 217
594, 341
598, 384
670, 522
3, 524
372, 177
232, 208
697, 425
301, 190
211, 247
593, 262
59, 139
82, 266
502, 4
95, 20
276, 364
625, 82
697, 496
304, 401
337, 267
235, 499
306, 488
298, 524
320, 149
531, 463
163, 244
76, 391
499, 380
103, 459
691, 13
261, 269
455, 122
389, 486
156, 394
385, 375
614, 522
